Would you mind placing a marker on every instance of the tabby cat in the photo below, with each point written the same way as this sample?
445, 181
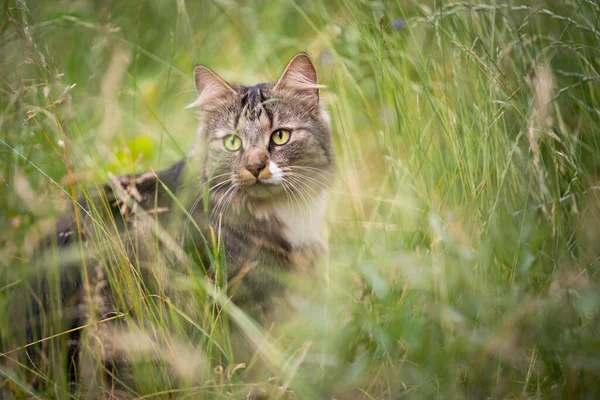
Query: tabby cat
255, 184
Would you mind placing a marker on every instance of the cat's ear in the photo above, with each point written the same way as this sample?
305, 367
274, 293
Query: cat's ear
210, 87
300, 77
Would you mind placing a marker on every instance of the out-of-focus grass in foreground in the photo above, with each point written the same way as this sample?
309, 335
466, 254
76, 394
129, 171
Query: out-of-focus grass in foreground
464, 226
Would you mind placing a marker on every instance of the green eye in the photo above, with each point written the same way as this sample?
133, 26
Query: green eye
232, 143
280, 136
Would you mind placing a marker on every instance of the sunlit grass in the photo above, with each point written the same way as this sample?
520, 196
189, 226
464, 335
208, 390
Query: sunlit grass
462, 227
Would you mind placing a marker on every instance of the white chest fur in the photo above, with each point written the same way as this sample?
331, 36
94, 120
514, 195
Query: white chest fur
301, 220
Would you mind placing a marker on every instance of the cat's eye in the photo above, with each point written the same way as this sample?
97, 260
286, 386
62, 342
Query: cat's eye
232, 142
280, 136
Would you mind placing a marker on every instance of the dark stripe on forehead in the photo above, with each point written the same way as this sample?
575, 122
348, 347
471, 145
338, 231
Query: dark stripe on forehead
252, 101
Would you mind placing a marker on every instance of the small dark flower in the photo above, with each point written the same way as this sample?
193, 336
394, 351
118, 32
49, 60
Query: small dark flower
398, 24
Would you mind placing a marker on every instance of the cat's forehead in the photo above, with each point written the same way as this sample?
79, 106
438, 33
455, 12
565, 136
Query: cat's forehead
260, 98
253, 100
258, 109
246, 115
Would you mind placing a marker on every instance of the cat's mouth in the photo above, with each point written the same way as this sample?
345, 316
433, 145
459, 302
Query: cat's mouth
262, 188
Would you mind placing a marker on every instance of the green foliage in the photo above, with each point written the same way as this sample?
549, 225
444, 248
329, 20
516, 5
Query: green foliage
463, 226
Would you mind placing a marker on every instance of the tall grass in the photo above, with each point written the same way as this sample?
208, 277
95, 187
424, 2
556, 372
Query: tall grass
463, 227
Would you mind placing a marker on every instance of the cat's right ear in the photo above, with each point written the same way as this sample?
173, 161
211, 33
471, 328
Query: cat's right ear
211, 89
300, 78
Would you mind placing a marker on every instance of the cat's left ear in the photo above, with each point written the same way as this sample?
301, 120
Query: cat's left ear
300, 77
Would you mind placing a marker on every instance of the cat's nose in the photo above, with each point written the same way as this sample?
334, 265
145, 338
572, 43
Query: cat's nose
255, 168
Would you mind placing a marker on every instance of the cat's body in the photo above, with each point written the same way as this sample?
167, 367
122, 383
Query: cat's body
264, 162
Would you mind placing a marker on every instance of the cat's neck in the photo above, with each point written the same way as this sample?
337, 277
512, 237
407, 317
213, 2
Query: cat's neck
300, 219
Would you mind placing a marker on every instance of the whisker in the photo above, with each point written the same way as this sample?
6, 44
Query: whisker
312, 169
306, 167
301, 193
191, 212
230, 199
306, 185
205, 183
203, 193
324, 181
231, 189
227, 201
300, 208
216, 206
288, 197
200, 197
310, 178
219, 175
220, 184
286, 190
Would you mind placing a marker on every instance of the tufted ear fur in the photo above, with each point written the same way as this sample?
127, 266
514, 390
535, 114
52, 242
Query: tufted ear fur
210, 87
300, 77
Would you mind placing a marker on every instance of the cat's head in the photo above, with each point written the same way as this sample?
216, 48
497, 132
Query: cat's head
268, 141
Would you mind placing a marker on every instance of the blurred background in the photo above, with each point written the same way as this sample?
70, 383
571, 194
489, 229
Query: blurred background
464, 225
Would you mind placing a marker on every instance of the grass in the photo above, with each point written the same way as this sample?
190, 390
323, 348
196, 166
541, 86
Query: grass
463, 225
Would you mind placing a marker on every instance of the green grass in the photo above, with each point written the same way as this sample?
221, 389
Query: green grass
463, 228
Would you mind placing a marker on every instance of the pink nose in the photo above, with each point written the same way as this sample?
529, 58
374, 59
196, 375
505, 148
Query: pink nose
255, 168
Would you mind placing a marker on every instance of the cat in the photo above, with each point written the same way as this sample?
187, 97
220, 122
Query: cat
255, 183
